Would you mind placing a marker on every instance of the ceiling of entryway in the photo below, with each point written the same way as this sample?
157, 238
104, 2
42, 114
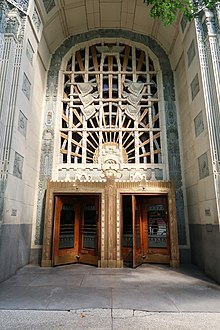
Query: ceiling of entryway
63, 18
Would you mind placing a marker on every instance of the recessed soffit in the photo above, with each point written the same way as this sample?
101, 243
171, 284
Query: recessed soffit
63, 18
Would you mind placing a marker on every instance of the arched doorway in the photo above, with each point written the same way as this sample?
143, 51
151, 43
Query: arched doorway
110, 132
112, 104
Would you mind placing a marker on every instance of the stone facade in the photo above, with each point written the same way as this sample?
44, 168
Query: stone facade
18, 139
170, 111
30, 73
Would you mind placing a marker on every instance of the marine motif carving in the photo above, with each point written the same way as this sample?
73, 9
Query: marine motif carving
133, 96
88, 98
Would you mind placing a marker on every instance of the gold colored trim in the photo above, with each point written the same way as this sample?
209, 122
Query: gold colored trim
110, 227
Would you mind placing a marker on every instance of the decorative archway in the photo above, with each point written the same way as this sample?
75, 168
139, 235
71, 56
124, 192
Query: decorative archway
173, 157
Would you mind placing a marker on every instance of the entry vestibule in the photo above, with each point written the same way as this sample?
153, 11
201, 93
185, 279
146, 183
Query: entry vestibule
76, 232
104, 224
145, 229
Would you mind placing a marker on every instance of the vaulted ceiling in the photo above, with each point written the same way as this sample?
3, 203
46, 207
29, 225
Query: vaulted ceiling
63, 18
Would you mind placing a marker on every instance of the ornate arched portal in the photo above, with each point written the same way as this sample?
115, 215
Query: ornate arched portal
111, 121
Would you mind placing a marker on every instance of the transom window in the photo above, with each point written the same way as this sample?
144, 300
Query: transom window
110, 105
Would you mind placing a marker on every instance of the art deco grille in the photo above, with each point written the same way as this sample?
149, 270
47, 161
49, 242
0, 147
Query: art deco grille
110, 103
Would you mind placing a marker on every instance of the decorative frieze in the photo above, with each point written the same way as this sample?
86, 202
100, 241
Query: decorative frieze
18, 165
194, 86
183, 23
29, 52
22, 123
20, 4
36, 19
203, 166
191, 52
217, 16
26, 86
13, 23
199, 124
49, 5
4, 9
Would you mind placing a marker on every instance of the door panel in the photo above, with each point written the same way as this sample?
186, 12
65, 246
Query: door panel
127, 231
67, 227
65, 231
148, 239
75, 230
137, 248
157, 239
88, 249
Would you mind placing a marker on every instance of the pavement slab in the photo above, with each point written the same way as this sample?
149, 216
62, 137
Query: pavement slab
149, 299
108, 319
66, 298
85, 297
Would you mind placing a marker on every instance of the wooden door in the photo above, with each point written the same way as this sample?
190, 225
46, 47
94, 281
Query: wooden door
137, 232
88, 242
156, 241
127, 230
75, 230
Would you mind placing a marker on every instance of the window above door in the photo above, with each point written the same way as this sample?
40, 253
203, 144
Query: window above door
112, 111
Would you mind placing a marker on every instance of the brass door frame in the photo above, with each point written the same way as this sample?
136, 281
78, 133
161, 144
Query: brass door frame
173, 257
76, 253
144, 253
110, 192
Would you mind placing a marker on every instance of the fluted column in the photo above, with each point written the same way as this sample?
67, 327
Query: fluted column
12, 32
209, 56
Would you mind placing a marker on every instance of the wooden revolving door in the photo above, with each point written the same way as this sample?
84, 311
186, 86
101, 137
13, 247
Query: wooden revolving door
76, 229
145, 234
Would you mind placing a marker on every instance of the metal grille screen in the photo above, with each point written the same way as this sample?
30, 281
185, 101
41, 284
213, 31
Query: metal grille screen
110, 102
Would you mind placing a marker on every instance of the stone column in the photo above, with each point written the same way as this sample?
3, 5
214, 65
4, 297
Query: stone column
11, 46
209, 55
110, 225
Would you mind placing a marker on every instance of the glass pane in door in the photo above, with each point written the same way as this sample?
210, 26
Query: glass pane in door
89, 227
137, 226
137, 248
157, 226
127, 222
67, 224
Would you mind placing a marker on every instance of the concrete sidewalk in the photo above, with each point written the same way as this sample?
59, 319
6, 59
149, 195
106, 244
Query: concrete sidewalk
85, 297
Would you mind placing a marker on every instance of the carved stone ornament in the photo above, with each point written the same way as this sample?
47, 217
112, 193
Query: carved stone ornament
133, 97
88, 109
18, 165
134, 87
20, 4
22, 123
26, 86
36, 19
13, 22
110, 158
110, 49
49, 5
85, 88
29, 52
209, 18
